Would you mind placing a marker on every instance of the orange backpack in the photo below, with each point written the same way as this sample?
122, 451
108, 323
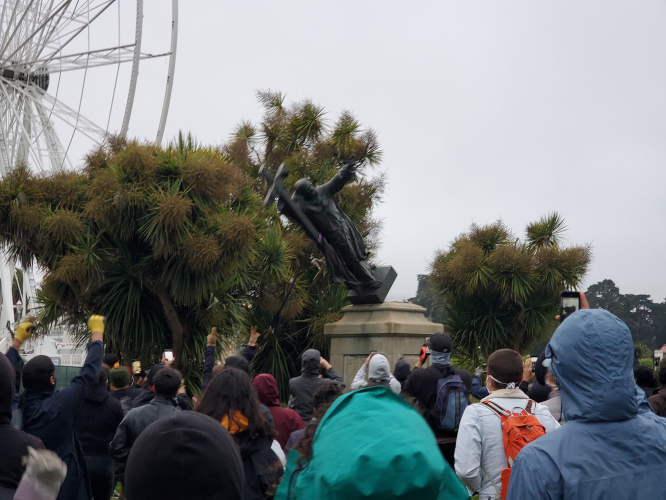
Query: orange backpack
518, 429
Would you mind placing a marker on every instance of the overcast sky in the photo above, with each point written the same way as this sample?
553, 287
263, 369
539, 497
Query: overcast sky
484, 110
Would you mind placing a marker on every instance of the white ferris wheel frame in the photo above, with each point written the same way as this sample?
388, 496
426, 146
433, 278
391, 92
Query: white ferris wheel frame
45, 105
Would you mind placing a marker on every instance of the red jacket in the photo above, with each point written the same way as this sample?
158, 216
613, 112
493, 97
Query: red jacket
286, 419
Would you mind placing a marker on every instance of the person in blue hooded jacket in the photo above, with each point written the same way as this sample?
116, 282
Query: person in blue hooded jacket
612, 447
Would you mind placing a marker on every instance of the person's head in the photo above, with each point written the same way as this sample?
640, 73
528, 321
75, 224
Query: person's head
593, 349
167, 382
401, 371
185, 455
110, 361
310, 361
39, 374
644, 377
143, 374
505, 370
379, 370
230, 397
441, 342
151, 374
661, 374
267, 389
119, 378
238, 362
7, 385
304, 188
325, 397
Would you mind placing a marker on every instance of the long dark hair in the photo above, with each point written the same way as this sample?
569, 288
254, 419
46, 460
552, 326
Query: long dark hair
232, 390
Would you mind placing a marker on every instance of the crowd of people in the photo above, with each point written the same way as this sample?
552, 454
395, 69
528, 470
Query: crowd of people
582, 422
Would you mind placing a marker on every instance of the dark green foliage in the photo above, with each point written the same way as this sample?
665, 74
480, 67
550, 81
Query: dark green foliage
499, 292
167, 243
431, 299
645, 318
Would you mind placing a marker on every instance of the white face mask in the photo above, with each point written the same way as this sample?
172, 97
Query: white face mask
551, 381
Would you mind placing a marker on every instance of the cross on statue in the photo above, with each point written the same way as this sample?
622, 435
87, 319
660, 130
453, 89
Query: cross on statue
314, 209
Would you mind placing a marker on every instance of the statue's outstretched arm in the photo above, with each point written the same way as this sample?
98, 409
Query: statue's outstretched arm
339, 180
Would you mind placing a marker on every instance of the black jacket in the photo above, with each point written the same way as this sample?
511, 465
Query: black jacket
263, 469
13, 443
97, 421
126, 396
146, 396
422, 385
50, 416
135, 422
17, 362
303, 388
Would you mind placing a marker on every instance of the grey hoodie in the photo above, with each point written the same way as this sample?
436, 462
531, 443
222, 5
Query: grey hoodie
303, 388
379, 373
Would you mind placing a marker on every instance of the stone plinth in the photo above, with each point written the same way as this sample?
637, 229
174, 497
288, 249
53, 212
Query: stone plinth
395, 329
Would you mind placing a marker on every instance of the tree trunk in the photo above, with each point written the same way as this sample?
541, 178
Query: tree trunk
177, 330
518, 339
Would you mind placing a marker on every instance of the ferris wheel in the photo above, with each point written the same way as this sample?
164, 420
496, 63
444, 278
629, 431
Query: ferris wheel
69, 77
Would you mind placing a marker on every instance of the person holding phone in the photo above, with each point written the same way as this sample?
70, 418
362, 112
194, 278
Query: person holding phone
378, 371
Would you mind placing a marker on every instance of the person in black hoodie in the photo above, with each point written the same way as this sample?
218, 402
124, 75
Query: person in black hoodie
96, 424
50, 415
119, 387
231, 400
303, 387
185, 455
13, 443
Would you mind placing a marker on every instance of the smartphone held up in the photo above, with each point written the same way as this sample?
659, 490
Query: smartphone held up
569, 304
168, 355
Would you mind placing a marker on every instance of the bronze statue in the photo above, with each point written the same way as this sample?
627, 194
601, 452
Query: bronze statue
314, 209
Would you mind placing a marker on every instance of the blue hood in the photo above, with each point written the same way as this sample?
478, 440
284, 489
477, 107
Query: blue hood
592, 357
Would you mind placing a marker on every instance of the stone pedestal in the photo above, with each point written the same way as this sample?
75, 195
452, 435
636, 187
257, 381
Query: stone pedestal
395, 329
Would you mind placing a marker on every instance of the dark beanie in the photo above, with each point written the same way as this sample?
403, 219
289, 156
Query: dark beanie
152, 372
402, 370
119, 377
110, 360
37, 373
540, 370
7, 377
238, 362
185, 455
506, 365
440, 342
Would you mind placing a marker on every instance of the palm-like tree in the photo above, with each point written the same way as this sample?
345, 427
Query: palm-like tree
500, 292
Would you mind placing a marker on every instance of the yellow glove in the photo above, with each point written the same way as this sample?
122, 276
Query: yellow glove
24, 330
96, 323
212, 336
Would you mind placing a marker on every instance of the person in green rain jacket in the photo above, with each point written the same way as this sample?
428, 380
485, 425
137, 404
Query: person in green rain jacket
371, 445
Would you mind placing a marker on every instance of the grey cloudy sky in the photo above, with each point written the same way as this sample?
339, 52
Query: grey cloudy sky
484, 110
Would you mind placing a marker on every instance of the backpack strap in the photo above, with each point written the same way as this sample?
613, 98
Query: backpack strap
530, 407
497, 409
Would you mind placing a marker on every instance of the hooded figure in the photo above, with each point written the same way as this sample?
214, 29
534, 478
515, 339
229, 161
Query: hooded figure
379, 373
285, 420
610, 448
302, 388
50, 415
390, 453
401, 371
185, 455
14, 442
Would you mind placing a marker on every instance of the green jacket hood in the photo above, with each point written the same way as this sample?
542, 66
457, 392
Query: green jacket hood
371, 444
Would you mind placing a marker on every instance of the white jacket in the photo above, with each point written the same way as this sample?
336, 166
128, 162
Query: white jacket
480, 445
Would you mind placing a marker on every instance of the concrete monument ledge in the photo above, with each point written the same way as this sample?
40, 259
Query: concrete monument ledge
395, 329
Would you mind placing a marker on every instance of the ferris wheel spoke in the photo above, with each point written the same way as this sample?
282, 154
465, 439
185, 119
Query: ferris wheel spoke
68, 115
22, 138
59, 10
89, 21
18, 27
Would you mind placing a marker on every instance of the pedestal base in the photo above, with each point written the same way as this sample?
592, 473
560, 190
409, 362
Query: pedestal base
395, 329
